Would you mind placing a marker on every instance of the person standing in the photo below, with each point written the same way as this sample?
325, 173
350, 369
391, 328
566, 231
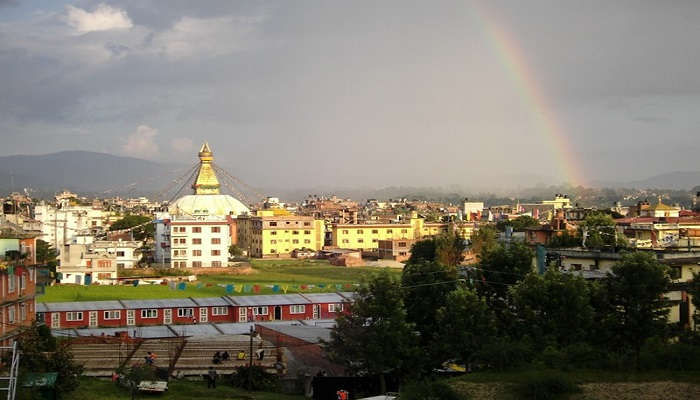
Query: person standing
211, 378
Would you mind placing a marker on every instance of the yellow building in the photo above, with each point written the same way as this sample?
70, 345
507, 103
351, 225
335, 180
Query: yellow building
367, 236
267, 235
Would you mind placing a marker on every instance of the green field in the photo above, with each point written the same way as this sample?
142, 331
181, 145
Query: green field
289, 273
91, 388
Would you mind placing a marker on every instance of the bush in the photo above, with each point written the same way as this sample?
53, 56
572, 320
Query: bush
670, 356
260, 380
435, 390
505, 354
545, 386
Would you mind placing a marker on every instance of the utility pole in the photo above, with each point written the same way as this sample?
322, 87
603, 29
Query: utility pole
250, 362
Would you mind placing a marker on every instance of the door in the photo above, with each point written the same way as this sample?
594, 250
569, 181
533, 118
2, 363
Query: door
168, 316
55, 320
203, 314
130, 317
317, 311
242, 314
278, 313
92, 319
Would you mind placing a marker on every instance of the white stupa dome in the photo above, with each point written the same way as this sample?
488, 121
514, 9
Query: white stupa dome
207, 200
207, 204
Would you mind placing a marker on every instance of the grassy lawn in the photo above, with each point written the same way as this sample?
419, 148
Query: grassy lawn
585, 376
266, 273
91, 388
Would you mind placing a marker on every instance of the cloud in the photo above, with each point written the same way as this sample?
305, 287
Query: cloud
104, 18
181, 145
141, 142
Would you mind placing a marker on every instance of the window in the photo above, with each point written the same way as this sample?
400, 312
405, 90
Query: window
273, 233
273, 241
216, 252
22, 282
121, 253
402, 253
389, 231
375, 240
346, 241
360, 241
335, 307
196, 229
11, 283
197, 241
402, 244
185, 312
196, 253
181, 229
345, 231
307, 241
11, 314
149, 313
70, 315
119, 265
404, 230
297, 309
196, 264
215, 241
273, 223
112, 314
307, 232
295, 241
22, 312
260, 310
360, 231
375, 231
295, 232
215, 229
219, 311
307, 223
216, 263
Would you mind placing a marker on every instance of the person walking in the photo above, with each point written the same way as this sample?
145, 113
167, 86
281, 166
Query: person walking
211, 378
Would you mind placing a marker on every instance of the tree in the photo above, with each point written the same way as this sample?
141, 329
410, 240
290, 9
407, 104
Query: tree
41, 353
466, 324
565, 239
449, 249
235, 251
47, 255
426, 285
374, 337
694, 291
635, 289
143, 229
553, 309
483, 240
598, 231
519, 224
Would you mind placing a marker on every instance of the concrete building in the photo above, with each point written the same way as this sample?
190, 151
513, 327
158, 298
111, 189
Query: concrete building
267, 235
397, 250
61, 225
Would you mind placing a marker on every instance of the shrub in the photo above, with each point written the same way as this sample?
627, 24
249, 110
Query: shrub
545, 386
260, 380
505, 354
435, 390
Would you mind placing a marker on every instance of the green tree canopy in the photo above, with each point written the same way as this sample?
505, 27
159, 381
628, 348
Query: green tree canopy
519, 224
143, 229
483, 240
635, 290
466, 324
375, 337
598, 231
553, 309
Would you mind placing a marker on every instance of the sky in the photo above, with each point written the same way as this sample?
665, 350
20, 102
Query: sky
360, 93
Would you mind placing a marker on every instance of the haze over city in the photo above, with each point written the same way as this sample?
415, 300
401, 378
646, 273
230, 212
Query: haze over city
360, 93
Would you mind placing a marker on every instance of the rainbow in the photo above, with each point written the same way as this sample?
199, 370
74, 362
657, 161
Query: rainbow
515, 62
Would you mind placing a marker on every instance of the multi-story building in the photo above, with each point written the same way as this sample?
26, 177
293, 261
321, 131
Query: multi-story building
82, 264
367, 236
17, 280
269, 235
196, 243
60, 226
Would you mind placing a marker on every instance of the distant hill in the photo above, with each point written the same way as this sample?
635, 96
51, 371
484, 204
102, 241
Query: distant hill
84, 172
681, 180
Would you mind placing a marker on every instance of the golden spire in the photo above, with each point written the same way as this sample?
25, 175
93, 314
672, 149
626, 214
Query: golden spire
206, 182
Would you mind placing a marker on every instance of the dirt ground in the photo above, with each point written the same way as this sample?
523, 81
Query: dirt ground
593, 391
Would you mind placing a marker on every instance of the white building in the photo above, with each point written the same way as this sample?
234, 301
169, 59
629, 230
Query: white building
60, 226
196, 230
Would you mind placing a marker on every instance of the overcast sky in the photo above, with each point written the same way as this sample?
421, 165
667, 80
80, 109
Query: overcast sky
357, 93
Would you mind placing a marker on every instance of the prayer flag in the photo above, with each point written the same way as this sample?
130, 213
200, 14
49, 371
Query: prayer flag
182, 286
229, 288
256, 288
136, 282
276, 288
284, 288
238, 288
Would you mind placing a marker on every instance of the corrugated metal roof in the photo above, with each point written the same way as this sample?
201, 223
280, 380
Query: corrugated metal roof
211, 301
268, 300
317, 298
235, 328
158, 303
83, 306
41, 307
348, 295
195, 330
310, 334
